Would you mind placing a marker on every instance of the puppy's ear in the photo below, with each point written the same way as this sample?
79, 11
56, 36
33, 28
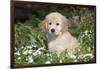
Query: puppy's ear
44, 25
65, 24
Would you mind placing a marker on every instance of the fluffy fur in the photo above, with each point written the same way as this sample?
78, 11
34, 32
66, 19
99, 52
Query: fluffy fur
59, 39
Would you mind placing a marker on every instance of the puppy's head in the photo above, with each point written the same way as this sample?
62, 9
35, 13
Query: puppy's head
55, 23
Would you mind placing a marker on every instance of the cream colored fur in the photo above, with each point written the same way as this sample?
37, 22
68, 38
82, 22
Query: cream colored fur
61, 39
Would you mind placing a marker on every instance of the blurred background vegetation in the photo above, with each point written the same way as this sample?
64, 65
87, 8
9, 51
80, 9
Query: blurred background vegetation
30, 45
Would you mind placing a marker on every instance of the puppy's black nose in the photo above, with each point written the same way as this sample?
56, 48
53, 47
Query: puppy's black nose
52, 30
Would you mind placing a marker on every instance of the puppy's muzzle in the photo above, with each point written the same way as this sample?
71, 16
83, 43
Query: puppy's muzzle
52, 30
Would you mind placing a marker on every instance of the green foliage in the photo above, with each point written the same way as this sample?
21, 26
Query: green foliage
31, 43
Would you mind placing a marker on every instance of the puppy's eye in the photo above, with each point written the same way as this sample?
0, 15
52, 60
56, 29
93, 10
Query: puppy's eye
50, 23
57, 23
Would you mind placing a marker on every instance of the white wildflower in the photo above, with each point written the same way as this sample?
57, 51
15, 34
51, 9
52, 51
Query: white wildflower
91, 55
79, 50
60, 61
47, 62
30, 47
15, 48
81, 32
75, 60
34, 53
38, 52
42, 48
73, 56
19, 58
17, 53
48, 54
85, 55
26, 59
86, 32
22, 47
25, 52
30, 59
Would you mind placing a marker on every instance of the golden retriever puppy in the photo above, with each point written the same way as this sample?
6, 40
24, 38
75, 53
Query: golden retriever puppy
59, 38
